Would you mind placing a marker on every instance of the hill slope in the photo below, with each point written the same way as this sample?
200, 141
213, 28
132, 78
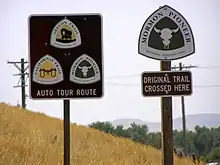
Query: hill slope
28, 138
208, 120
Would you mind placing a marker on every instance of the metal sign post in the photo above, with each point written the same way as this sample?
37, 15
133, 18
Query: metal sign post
66, 114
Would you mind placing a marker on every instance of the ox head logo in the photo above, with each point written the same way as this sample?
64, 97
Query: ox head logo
166, 35
85, 69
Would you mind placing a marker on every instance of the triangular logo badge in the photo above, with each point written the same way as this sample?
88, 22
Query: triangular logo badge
65, 35
166, 35
47, 71
84, 70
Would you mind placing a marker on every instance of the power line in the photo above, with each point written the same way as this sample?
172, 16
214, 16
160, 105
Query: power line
183, 67
130, 84
109, 78
186, 67
174, 68
207, 86
210, 67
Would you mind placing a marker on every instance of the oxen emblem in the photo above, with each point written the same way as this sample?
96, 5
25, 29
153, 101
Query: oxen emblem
85, 69
166, 35
66, 34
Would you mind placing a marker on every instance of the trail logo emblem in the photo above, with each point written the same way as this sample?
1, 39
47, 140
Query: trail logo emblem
65, 35
47, 71
85, 70
166, 35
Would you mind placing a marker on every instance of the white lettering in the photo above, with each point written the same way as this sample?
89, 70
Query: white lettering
158, 88
157, 79
45, 92
182, 87
181, 79
65, 92
86, 92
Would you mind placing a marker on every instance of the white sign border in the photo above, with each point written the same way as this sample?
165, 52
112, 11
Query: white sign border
102, 56
166, 95
163, 57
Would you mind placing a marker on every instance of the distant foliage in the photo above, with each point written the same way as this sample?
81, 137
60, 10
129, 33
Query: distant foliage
204, 142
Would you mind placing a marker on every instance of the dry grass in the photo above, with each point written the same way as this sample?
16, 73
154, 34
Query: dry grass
28, 138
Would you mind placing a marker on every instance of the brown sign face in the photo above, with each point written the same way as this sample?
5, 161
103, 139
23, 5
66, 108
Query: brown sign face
65, 56
166, 83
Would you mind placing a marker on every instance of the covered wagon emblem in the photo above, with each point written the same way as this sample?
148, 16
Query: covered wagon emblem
65, 35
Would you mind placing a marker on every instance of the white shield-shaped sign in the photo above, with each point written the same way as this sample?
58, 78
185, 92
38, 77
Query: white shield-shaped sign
85, 70
65, 35
166, 35
47, 71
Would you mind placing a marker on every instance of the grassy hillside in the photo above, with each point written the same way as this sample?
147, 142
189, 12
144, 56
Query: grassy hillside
28, 138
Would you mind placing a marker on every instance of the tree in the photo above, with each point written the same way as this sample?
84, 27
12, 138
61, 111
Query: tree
138, 133
154, 139
120, 131
214, 155
204, 142
103, 126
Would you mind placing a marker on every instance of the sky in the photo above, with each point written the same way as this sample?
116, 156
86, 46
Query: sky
122, 22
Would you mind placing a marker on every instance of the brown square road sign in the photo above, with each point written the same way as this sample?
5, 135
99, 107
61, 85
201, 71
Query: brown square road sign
65, 56
166, 83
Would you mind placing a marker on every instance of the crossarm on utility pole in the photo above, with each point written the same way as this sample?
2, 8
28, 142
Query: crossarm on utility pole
22, 73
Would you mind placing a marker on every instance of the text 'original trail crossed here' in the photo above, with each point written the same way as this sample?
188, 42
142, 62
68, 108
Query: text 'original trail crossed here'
166, 83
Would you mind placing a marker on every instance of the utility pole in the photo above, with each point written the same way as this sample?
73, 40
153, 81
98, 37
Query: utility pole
23, 78
183, 109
